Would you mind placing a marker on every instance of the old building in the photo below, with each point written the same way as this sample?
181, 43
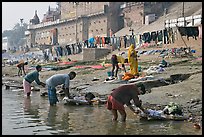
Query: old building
78, 21
5, 44
134, 13
35, 20
51, 15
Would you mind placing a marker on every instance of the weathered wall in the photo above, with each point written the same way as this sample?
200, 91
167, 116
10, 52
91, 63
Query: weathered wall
91, 54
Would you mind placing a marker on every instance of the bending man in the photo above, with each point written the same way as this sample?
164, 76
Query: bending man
122, 96
54, 81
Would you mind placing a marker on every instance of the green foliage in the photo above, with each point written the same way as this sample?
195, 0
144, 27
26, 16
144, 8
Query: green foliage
16, 34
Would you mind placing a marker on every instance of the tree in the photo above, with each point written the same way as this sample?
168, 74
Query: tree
16, 34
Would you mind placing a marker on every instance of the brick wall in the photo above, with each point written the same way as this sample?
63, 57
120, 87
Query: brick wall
68, 9
134, 14
97, 25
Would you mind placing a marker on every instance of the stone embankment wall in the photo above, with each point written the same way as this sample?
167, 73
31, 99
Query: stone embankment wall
91, 54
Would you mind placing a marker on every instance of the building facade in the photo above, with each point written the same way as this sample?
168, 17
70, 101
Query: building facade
134, 12
5, 44
78, 22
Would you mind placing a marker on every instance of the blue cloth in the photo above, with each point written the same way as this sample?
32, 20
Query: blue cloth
91, 40
52, 96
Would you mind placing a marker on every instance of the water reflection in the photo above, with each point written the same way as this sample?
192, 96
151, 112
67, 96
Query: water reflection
33, 115
117, 128
26, 104
30, 108
52, 114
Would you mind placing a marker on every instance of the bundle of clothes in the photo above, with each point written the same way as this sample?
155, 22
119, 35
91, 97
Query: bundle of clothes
88, 99
172, 111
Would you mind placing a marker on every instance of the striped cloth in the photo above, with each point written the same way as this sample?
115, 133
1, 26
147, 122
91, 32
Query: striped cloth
52, 96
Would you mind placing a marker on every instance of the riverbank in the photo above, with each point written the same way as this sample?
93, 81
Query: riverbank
186, 92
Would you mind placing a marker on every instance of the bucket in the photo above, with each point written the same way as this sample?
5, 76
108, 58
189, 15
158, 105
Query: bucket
109, 73
120, 76
193, 51
139, 68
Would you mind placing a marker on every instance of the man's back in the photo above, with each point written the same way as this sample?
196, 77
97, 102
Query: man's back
58, 79
125, 93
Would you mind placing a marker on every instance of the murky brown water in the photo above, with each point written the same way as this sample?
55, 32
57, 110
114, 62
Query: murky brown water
33, 116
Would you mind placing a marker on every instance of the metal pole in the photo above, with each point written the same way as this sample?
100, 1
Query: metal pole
76, 21
183, 10
183, 15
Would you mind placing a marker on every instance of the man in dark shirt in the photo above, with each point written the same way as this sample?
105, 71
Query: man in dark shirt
115, 59
122, 96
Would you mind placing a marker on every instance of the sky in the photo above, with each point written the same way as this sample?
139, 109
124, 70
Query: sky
12, 12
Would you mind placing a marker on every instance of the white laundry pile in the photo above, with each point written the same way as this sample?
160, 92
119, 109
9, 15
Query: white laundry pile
80, 99
141, 78
154, 69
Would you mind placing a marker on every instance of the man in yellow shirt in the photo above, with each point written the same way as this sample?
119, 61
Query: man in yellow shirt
115, 59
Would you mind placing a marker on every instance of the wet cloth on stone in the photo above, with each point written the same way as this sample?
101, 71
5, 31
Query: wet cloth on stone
156, 113
173, 108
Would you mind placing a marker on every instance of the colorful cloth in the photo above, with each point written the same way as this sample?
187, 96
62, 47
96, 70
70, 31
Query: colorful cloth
26, 87
114, 104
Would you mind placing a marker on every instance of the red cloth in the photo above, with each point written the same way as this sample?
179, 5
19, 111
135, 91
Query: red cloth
114, 104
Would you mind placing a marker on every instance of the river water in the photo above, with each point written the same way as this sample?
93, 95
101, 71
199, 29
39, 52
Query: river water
34, 116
